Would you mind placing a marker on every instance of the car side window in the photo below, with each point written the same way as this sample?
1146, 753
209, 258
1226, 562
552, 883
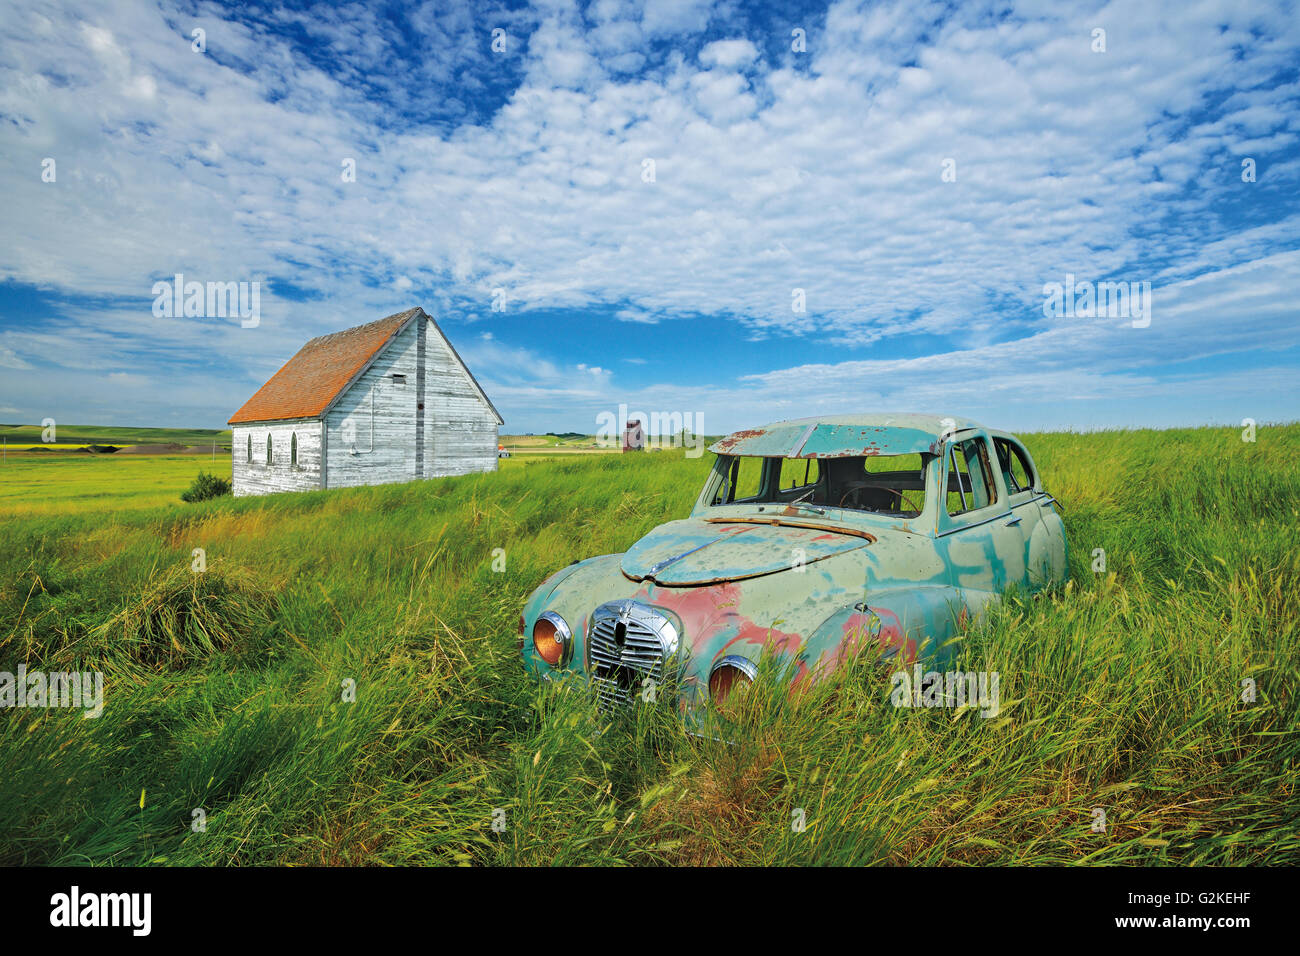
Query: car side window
970, 477
1015, 466
742, 481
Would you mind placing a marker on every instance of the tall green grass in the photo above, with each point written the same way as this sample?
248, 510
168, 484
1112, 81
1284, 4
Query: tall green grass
226, 691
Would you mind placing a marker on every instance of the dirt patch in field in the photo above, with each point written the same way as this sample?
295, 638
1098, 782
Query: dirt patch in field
171, 448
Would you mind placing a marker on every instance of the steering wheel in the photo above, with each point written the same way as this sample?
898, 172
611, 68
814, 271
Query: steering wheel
851, 490
854, 487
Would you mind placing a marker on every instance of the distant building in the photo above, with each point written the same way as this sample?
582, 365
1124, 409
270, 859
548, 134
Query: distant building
385, 402
633, 437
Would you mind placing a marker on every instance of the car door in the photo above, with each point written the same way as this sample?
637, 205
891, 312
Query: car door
1043, 529
1017, 476
978, 534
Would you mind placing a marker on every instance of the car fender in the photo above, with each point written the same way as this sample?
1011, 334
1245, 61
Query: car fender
1047, 546
901, 625
599, 574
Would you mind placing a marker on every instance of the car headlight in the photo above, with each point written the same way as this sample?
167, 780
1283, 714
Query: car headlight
552, 638
728, 674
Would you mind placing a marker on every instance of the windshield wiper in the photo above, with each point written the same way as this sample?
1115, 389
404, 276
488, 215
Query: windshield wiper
804, 497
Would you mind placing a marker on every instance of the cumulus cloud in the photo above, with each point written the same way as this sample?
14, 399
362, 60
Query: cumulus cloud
729, 54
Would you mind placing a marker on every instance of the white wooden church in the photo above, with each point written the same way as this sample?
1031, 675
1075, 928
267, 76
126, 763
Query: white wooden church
384, 402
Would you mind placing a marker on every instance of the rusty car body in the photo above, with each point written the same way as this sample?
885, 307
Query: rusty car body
812, 540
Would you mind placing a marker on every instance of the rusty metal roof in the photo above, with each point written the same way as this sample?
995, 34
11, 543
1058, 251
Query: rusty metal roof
846, 436
308, 383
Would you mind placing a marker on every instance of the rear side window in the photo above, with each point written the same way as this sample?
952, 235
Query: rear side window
970, 477
1016, 470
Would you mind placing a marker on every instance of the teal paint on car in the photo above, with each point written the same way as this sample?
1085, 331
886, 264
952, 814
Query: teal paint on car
813, 540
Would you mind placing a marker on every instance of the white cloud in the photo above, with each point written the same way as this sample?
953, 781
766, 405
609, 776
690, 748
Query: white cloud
729, 54
668, 17
10, 359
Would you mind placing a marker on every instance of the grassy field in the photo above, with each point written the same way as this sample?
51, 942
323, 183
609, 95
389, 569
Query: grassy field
225, 691
61, 484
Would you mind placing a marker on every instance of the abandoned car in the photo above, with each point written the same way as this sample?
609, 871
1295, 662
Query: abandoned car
814, 539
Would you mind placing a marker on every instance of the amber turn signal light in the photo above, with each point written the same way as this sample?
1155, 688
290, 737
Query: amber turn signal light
551, 638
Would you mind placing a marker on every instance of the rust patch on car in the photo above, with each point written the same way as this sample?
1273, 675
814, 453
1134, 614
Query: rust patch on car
726, 444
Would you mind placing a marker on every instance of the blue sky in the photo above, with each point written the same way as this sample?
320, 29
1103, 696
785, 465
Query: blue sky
775, 169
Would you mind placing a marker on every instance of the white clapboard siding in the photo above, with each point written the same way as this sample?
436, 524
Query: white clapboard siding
461, 428
371, 438
256, 477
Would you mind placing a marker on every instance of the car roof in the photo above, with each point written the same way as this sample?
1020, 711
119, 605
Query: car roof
844, 436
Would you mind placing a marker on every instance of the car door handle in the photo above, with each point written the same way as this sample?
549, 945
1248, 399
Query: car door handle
1013, 521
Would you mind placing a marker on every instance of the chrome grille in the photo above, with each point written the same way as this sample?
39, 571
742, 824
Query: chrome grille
627, 643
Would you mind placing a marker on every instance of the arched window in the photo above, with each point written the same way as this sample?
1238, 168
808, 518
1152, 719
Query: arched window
249, 457
268, 448
293, 450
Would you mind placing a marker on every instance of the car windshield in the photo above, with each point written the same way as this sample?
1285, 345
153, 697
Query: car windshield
891, 485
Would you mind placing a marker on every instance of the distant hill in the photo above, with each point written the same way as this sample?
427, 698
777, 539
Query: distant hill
117, 435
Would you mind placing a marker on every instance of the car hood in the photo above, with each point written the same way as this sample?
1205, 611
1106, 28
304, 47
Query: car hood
698, 551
